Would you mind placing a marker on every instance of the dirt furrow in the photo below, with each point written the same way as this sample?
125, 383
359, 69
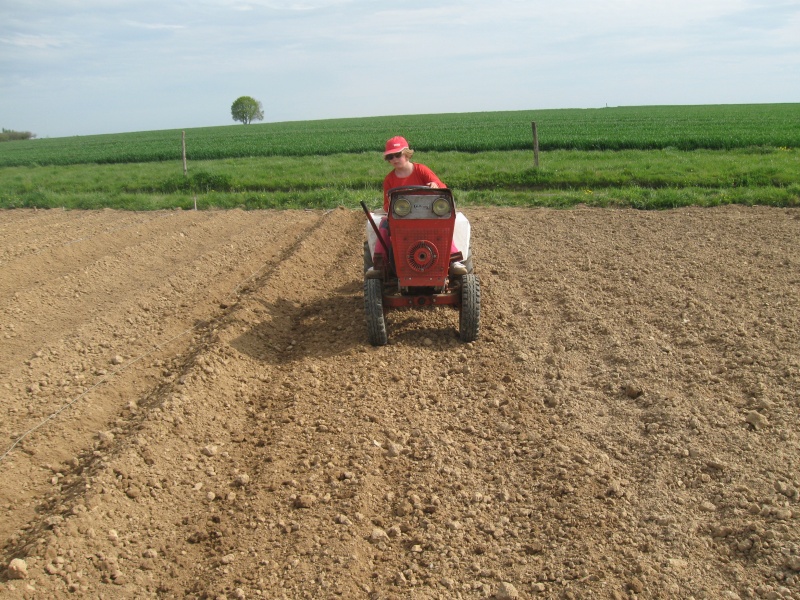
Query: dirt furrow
160, 274
65, 369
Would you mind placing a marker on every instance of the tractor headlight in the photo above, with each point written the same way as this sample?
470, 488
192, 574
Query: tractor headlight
441, 207
402, 207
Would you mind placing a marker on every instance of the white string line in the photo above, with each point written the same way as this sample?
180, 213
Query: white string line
88, 237
103, 380
125, 366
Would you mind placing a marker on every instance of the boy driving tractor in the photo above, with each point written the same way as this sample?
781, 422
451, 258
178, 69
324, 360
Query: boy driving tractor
404, 173
417, 249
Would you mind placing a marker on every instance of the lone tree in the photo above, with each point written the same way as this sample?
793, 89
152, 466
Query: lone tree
247, 110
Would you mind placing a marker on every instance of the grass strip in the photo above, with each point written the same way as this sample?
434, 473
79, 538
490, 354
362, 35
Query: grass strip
327, 198
561, 169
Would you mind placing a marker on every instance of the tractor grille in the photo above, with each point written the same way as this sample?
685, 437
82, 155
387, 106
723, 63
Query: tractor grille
422, 255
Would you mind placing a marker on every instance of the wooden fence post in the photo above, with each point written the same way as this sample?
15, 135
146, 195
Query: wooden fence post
535, 145
185, 170
183, 142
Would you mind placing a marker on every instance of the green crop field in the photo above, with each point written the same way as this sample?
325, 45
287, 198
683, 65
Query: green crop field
658, 156
638, 128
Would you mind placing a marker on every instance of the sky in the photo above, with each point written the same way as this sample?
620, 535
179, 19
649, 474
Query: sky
82, 67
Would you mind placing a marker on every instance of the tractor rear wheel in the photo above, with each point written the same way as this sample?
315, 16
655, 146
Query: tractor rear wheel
373, 306
470, 314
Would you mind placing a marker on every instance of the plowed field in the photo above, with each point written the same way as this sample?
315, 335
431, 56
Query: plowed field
189, 408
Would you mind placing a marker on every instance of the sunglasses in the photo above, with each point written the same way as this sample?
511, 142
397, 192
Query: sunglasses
393, 156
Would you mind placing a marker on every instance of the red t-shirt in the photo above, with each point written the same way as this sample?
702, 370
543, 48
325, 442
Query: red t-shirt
421, 175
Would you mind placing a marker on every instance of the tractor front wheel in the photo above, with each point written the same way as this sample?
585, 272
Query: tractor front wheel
373, 306
470, 313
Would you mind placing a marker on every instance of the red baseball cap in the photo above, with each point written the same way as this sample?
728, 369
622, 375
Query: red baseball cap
396, 144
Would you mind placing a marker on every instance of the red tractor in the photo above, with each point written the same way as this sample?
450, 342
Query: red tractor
409, 265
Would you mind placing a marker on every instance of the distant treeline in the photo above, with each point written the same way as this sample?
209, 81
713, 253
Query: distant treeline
9, 135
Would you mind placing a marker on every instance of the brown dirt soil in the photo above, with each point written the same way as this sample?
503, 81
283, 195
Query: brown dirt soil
190, 409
